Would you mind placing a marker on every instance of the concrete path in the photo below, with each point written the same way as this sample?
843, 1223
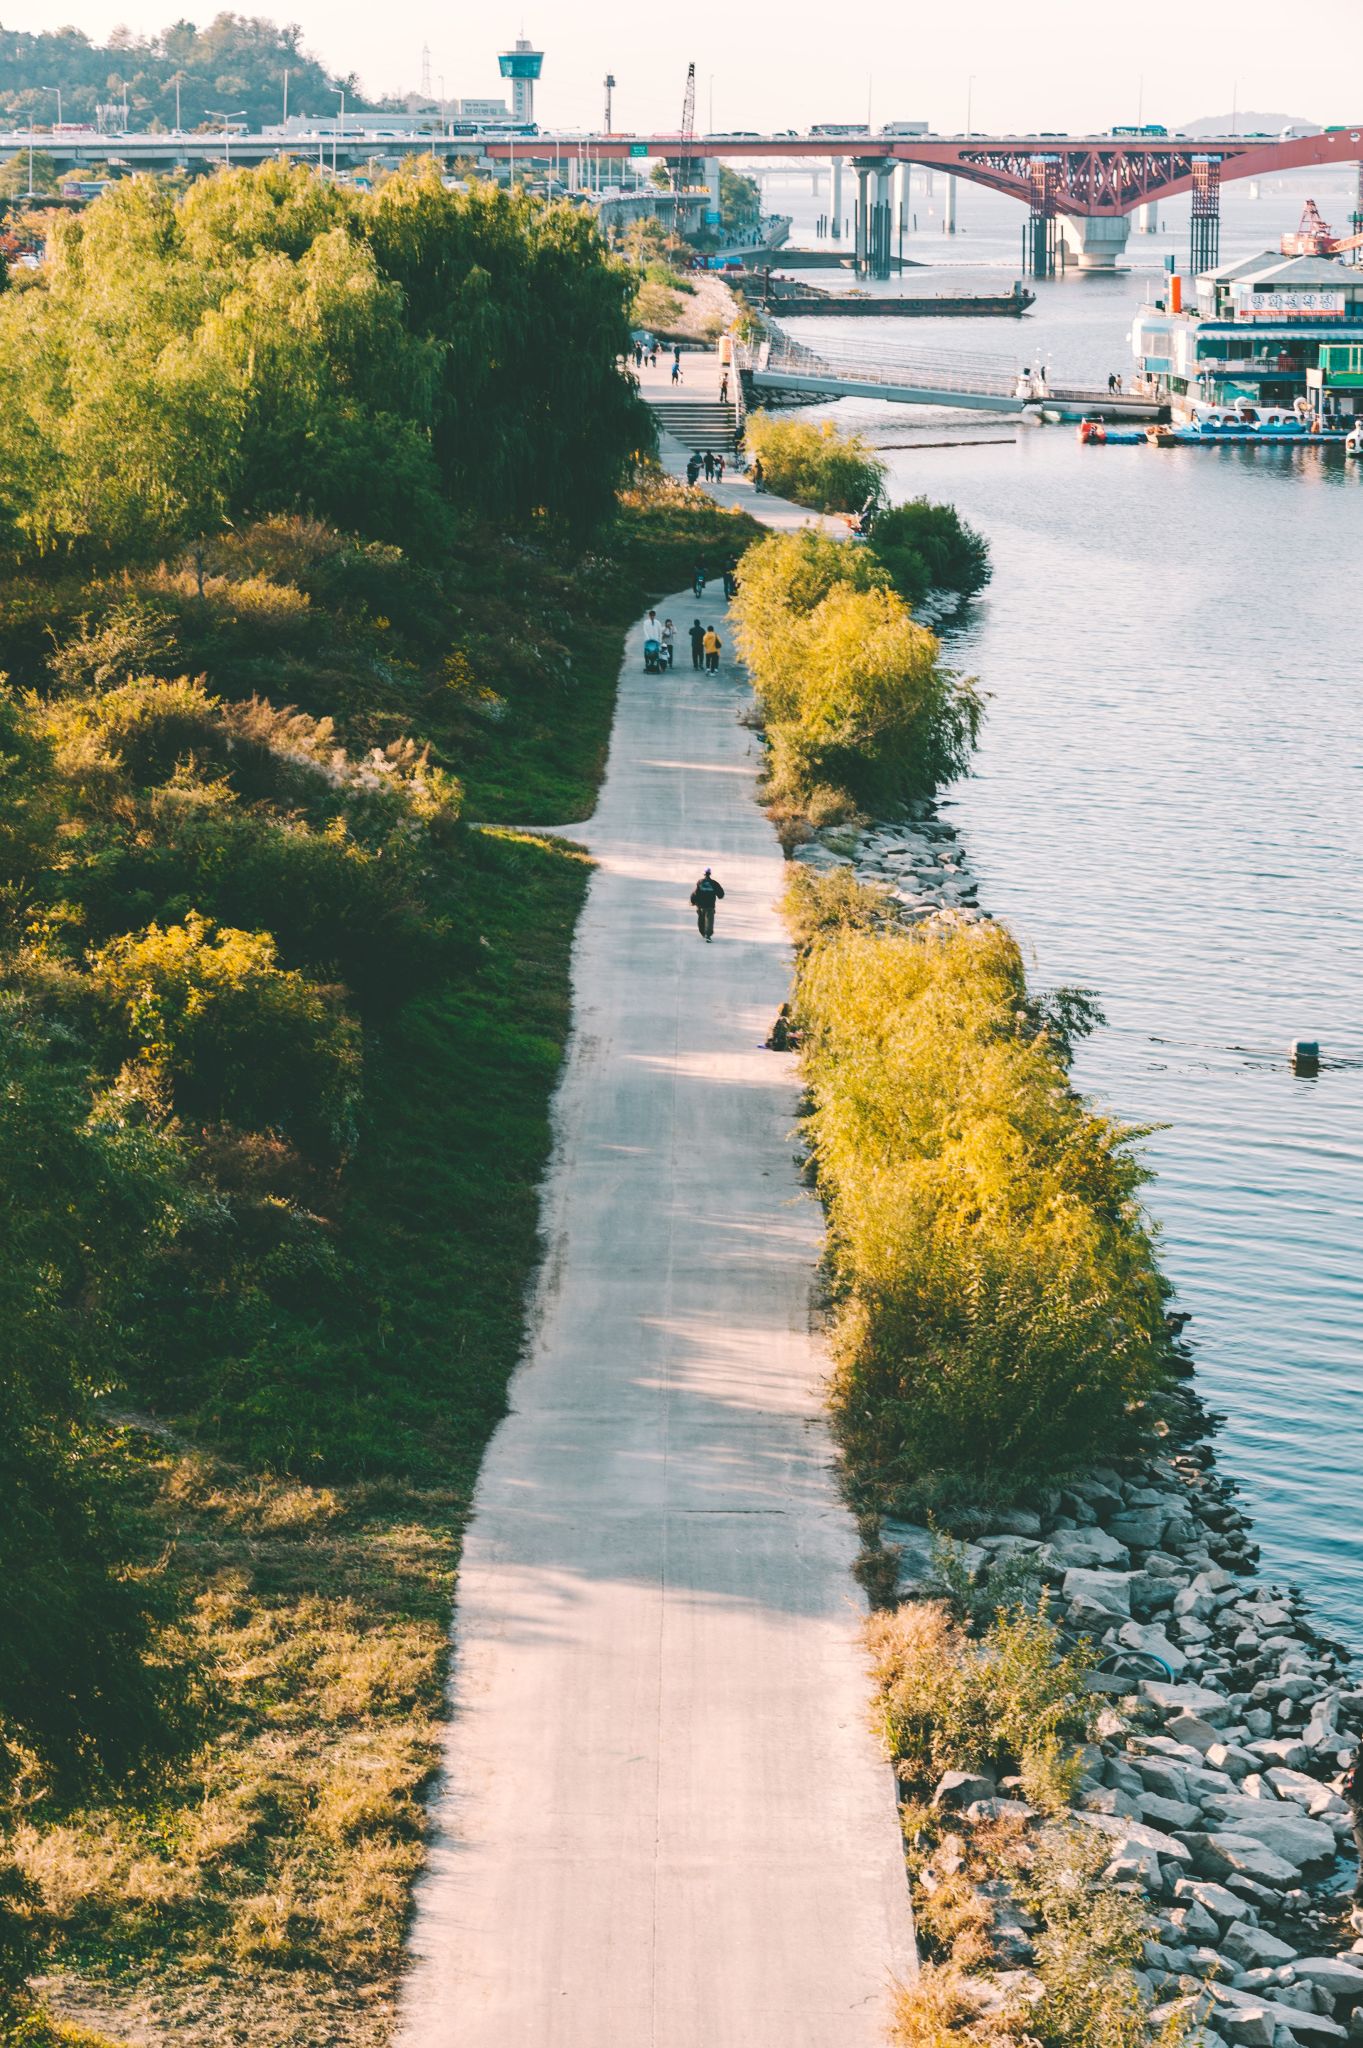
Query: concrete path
664, 1821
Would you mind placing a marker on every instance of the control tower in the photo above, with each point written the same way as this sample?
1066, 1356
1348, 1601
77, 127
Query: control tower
522, 66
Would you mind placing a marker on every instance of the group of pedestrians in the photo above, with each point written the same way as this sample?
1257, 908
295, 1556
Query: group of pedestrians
645, 353
708, 464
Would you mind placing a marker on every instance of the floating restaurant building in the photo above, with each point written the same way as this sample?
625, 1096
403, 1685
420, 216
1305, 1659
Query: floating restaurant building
1271, 330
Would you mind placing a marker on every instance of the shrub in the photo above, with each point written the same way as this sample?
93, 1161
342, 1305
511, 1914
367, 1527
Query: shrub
655, 306
950, 1702
1000, 1308
1088, 1949
228, 1034
855, 700
816, 465
943, 2009
930, 547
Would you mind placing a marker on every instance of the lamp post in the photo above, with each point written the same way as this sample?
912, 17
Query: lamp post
177, 81
341, 90
969, 96
56, 89
238, 114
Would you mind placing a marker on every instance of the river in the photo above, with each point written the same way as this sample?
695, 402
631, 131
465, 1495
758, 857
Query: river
1168, 808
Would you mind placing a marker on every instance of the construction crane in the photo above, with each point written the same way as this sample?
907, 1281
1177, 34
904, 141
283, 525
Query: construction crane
684, 172
1315, 237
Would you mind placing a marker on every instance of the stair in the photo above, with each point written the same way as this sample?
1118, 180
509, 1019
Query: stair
698, 423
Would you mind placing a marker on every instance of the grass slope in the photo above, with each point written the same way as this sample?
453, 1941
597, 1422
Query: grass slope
262, 1895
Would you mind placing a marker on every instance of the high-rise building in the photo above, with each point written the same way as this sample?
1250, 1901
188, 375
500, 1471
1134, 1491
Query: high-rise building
522, 65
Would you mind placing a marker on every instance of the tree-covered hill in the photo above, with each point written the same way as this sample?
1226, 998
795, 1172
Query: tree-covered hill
237, 62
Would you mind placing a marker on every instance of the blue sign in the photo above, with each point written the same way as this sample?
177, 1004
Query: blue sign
638, 149
713, 217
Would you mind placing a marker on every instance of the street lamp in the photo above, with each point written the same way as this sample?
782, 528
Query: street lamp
56, 89
238, 114
341, 90
177, 82
969, 95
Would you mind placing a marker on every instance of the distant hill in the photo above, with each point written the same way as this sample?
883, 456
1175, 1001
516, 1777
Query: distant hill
236, 63
1249, 124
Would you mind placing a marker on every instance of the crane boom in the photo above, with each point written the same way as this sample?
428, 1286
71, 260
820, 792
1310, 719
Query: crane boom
684, 170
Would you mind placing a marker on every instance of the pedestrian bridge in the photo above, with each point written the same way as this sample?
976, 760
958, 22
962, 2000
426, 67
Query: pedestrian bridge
908, 376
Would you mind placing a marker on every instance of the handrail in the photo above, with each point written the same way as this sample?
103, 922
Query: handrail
930, 369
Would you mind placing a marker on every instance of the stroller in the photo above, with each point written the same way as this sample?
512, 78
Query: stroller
653, 658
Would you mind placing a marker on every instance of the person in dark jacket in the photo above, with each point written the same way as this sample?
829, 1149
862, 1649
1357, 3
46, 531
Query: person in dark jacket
697, 636
705, 896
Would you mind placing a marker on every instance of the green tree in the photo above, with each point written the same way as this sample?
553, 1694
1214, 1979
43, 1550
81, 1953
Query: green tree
15, 173
930, 547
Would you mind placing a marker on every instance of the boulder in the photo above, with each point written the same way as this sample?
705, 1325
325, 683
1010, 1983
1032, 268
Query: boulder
1016, 1521
1339, 1976
1109, 1591
1157, 1774
1223, 1854
961, 1788
1231, 2007
1280, 1826
1151, 1641
1318, 1799
1087, 1549
1131, 1833
1173, 1698
1213, 1898
1175, 1814
1255, 1948
1139, 1528
1198, 1733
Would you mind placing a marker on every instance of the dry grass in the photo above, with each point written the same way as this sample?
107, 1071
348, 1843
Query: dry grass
288, 1849
943, 2009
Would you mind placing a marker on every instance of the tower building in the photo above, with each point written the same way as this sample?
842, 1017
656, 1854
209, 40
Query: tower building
522, 65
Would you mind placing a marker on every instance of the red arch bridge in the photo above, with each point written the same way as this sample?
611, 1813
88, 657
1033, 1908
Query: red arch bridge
1081, 188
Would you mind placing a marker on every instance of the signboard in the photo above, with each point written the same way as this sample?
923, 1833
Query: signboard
1287, 305
638, 149
713, 216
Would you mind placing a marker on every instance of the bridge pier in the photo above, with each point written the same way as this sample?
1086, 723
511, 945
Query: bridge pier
1094, 241
863, 208
712, 201
951, 206
835, 198
1147, 218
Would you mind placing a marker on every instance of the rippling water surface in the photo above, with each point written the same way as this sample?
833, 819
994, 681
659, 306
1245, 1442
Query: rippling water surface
1168, 807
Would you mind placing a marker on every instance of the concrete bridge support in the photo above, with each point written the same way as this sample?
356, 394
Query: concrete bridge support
1147, 218
904, 184
1094, 241
712, 202
951, 206
835, 197
882, 217
862, 210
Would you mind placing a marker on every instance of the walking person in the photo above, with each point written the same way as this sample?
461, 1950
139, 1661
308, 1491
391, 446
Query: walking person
676, 370
713, 644
709, 467
724, 388
719, 469
698, 579
704, 897
697, 637
669, 643
759, 475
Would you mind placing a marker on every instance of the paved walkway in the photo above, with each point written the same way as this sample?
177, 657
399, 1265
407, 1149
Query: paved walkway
664, 1822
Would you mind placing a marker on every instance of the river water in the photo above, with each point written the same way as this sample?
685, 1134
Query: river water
1168, 808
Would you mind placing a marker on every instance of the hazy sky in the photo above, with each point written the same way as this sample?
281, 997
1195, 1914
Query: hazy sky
1035, 67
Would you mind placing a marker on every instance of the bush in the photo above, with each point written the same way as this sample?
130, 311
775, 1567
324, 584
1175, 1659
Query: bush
230, 1036
854, 698
950, 1702
929, 547
1000, 1309
815, 465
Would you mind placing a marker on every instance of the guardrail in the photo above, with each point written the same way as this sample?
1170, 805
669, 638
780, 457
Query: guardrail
991, 376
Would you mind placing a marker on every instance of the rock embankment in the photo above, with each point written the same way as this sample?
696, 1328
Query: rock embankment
1217, 1764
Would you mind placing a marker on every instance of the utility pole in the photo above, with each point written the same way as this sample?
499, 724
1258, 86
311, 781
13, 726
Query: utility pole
286, 101
610, 88
340, 128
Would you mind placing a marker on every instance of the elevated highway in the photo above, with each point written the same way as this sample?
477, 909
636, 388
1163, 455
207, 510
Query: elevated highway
1081, 189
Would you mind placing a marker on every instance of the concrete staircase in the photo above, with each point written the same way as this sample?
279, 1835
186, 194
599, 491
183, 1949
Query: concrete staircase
698, 423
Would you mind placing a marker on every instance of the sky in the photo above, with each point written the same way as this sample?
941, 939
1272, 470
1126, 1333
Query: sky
786, 63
